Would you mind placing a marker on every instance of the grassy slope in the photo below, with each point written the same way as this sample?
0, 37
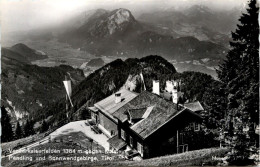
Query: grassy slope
20, 142
191, 158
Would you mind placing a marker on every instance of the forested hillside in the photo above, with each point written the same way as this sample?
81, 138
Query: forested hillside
27, 88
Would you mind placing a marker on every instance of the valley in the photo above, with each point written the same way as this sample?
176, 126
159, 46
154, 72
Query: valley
60, 53
63, 53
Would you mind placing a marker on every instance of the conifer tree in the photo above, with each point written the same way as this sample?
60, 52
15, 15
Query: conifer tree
18, 131
28, 128
7, 132
44, 127
240, 74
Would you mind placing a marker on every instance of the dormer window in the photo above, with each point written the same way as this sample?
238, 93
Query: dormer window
112, 133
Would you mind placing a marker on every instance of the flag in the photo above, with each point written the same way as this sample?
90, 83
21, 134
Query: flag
142, 78
67, 85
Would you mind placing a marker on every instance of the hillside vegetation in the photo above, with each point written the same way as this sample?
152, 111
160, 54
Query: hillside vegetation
26, 88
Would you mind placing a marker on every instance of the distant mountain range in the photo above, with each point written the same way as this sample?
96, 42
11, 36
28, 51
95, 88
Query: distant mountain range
195, 33
198, 21
189, 34
26, 87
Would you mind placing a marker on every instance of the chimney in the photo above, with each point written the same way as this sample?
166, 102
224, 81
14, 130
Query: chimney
169, 86
117, 97
175, 95
156, 87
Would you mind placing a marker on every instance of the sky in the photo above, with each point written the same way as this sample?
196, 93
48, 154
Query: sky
23, 15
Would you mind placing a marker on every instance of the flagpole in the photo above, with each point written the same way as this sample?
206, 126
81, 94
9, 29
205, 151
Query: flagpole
67, 106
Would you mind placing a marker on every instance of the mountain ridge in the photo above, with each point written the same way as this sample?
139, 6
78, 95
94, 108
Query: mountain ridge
132, 38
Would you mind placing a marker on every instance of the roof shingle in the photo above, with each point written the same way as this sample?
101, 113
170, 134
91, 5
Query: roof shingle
162, 111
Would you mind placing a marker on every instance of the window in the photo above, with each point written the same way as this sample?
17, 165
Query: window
112, 132
123, 136
140, 148
196, 126
131, 142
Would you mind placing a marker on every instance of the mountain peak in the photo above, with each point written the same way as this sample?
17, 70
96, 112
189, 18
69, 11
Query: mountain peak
119, 17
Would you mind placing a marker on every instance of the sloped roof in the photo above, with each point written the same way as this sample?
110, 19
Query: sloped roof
161, 112
137, 113
108, 105
194, 106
